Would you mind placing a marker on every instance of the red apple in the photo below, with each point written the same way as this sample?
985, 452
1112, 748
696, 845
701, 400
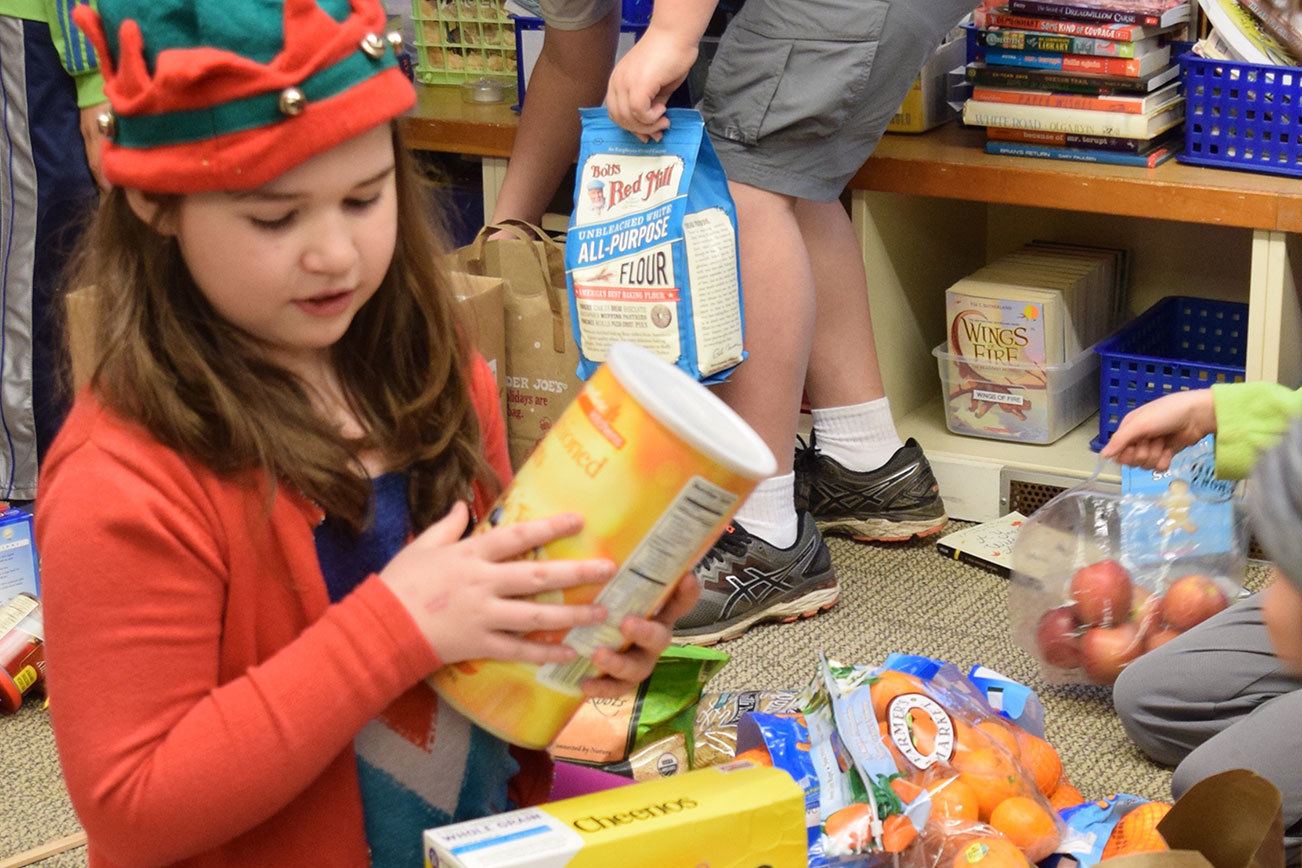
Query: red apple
1101, 593
1160, 637
1192, 600
1106, 651
1058, 638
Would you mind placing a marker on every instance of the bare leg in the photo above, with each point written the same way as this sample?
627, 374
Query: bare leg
571, 73
843, 359
779, 287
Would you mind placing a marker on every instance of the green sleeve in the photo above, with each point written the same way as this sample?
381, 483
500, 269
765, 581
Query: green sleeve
1250, 418
75, 51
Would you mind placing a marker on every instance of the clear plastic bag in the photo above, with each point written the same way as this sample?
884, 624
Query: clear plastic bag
1100, 578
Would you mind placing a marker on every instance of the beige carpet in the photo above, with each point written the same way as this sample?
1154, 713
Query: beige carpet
896, 598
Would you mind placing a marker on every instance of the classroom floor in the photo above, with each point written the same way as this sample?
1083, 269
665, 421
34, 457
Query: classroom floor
895, 598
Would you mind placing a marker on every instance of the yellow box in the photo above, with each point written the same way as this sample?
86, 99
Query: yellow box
926, 105
733, 816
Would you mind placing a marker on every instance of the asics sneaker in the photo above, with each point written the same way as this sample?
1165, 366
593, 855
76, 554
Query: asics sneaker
746, 581
894, 503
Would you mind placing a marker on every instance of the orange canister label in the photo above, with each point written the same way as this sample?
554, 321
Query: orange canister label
652, 503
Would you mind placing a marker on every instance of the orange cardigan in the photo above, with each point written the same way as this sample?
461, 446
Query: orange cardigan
204, 691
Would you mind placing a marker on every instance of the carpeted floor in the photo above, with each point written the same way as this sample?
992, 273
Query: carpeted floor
896, 598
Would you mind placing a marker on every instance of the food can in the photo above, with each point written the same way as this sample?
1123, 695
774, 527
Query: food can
22, 650
656, 465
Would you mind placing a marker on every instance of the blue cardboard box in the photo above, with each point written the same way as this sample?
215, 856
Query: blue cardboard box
19, 570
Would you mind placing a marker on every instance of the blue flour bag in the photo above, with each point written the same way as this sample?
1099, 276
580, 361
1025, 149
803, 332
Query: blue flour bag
651, 255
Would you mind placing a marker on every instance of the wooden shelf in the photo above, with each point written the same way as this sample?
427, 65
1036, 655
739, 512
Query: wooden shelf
949, 163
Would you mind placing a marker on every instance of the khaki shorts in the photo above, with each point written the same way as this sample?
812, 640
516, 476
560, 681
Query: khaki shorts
575, 14
800, 91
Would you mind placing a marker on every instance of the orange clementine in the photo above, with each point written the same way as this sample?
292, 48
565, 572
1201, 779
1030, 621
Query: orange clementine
922, 731
889, 684
850, 827
1137, 832
1066, 796
1042, 761
1002, 734
897, 833
758, 756
991, 774
1028, 825
989, 851
953, 800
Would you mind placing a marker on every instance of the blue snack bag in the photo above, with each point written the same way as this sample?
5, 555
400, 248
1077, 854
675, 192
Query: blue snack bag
651, 254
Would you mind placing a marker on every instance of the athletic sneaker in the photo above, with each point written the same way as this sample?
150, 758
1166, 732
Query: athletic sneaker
896, 502
746, 581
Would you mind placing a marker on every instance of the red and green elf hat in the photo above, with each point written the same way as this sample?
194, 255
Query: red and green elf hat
229, 94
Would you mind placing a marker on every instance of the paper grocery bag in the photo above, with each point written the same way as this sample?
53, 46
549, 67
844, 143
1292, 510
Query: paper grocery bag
1230, 820
541, 359
481, 303
80, 334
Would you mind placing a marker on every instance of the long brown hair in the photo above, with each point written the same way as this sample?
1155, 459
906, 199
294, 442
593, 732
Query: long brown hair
165, 360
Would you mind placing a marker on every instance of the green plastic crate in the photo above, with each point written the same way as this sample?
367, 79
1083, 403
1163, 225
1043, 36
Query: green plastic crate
460, 40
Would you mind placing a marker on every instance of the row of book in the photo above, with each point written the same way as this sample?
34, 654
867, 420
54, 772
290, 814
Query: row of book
1253, 31
1083, 80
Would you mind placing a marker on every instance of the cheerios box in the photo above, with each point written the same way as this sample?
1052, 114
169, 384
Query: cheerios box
731, 816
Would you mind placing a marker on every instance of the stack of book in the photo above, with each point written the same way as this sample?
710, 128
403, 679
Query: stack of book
1086, 80
1019, 338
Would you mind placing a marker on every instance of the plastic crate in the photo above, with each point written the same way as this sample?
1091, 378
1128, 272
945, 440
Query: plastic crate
1180, 343
1242, 116
458, 40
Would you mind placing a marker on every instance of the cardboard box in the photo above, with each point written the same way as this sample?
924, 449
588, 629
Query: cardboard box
731, 816
19, 570
926, 105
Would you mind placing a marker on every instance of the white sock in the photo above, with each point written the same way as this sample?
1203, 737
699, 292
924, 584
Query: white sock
861, 437
770, 512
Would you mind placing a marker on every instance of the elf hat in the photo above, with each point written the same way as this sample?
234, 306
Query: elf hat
229, 94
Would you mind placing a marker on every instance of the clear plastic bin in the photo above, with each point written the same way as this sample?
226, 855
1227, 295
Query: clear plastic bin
1023, 403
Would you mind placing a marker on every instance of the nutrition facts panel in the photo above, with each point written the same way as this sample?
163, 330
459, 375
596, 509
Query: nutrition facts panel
659, 560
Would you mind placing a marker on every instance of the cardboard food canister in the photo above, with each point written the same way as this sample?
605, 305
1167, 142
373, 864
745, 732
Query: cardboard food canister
22, 650
656, 465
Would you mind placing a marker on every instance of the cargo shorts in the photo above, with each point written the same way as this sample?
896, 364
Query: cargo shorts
575, 14
800, 91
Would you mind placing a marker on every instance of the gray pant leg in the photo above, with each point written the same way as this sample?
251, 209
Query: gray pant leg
1216, 699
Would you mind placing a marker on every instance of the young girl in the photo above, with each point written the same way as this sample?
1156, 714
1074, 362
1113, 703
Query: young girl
1228, 693
238, 627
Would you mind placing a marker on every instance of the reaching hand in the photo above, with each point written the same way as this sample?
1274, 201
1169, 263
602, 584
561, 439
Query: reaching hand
626, 669
1149, 436
643, 80
93, 139
464, 594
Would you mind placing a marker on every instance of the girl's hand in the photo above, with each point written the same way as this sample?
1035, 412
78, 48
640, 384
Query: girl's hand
626, 669
464, 594
643, 80
1151, 435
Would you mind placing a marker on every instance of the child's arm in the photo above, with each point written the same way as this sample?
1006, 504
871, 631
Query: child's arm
78, 58
643, 80
1247, 419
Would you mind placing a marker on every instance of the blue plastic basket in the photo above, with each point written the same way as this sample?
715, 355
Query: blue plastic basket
1242, 116
1180, 343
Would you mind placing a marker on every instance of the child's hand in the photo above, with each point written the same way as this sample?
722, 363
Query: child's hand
643, 80
626, 669
464, 593
1151, 435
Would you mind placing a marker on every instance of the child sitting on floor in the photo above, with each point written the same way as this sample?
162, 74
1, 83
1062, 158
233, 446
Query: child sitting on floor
1228, 693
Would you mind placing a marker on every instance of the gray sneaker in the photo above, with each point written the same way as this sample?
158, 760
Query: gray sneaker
894, 503
746, 581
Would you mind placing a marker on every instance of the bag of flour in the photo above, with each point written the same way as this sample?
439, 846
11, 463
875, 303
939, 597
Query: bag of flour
651, 255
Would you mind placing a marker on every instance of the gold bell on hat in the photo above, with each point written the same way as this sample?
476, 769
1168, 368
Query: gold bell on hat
107, 123
292, 102
374, 45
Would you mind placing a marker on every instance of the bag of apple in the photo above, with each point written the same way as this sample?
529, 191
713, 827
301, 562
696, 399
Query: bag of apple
1102, 576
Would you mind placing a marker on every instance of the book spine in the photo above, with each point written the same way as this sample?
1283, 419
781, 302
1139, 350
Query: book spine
1084, 13
1079, 155
1119, 33
1037, 79
1082, 102
1020, 40
1085, 64
1064, 140
972, 560
1068, 120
